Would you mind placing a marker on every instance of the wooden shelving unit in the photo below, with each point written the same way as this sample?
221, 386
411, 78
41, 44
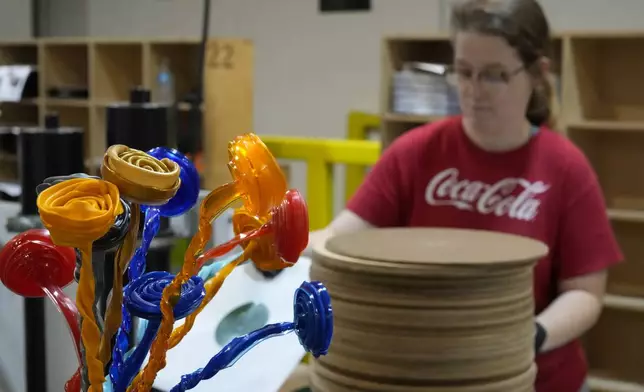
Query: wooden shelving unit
107, 69
23, 113
601, 97
603, 102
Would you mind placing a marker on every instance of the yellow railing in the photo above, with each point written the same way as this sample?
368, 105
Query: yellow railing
321, 155
358, 126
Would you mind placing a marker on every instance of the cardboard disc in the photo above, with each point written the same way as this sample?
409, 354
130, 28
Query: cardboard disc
325, 379
428, 309
443, 246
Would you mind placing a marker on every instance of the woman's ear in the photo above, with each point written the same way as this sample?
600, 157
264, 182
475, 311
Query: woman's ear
540, 71
544, 65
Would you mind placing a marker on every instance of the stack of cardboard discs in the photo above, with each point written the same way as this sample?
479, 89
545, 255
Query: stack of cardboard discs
420, 309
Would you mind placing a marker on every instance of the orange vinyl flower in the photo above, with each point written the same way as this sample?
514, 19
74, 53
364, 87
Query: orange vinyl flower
259, 183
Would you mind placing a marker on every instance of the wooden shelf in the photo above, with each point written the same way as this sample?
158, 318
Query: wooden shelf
607, 126
601, 109
600, 384
626, 215
633, 304
410, 118
107, 69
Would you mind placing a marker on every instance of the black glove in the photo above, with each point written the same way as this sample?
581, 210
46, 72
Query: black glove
540, 337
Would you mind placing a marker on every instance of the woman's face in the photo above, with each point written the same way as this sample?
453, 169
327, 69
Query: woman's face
493, 85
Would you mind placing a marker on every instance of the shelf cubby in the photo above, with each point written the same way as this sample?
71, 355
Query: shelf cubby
19, 114
183, 59
617, 158
606, 77
614, 346
398, 51
65, 65
23, 53
431, 49
625, 279
118, 67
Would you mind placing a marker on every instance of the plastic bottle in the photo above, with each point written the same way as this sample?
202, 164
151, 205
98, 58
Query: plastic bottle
165, 83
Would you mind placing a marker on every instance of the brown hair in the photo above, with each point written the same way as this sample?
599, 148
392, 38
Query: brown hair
523, 24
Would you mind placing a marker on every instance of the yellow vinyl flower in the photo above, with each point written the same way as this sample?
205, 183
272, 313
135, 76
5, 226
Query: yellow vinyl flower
79, 211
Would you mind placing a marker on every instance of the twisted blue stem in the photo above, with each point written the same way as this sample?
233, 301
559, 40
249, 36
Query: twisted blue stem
231, 353
152, 221
313, 323
180, 203
142, 298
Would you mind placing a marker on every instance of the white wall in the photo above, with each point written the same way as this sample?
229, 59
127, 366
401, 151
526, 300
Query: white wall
595, 14
63, 18
15, 19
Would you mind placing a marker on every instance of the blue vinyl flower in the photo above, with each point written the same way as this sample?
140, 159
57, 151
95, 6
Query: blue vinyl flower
142, 299
313, 324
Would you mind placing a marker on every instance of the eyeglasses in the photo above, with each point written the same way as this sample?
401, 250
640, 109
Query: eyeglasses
491, 78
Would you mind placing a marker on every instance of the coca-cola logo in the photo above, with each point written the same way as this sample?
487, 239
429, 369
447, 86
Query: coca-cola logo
514, 197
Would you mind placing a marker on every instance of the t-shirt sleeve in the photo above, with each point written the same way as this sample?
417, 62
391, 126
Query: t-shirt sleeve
587, 241
382, 197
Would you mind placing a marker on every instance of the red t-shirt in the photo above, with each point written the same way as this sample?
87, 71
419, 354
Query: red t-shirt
435, 176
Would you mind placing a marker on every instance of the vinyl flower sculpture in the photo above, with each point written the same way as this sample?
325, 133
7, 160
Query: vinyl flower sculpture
85, 214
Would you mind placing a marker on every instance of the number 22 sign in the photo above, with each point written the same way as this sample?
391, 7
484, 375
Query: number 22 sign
221, 55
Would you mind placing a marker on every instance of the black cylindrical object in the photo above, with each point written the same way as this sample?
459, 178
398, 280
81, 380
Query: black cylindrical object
8, 144
141, 124
47, 152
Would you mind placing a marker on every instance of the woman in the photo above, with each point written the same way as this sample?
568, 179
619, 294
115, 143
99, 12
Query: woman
499, 166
